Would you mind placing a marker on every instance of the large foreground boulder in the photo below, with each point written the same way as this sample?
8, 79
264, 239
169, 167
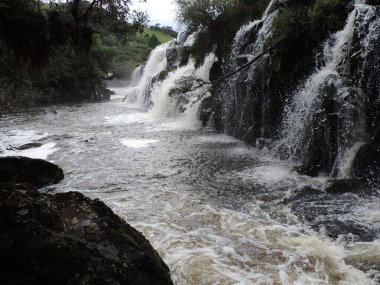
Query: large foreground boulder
35, 172
66, 238
70, 239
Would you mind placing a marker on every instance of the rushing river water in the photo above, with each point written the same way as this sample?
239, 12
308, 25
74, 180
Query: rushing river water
218, 211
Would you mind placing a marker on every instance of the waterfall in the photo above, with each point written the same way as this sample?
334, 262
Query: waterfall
183, 106
165, 105
140, 93
149, 90
320, 126
136, 76
243, 100
326, 116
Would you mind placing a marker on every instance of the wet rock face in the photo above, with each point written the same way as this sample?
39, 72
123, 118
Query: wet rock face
35, 172
70, 239
252, 105
366, 165
172, 57
177, 55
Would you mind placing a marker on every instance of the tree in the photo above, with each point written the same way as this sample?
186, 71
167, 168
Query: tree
119, 10
153, 41
47, 49
202, 12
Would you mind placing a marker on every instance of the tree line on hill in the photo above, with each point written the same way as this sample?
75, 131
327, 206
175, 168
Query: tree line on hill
63, 51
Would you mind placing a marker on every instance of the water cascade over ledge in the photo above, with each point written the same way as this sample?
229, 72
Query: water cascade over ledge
318, 128
222, 210
328, 111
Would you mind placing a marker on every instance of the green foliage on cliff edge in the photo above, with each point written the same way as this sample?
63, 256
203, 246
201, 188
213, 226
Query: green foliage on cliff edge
300, 27
52, 52
217, 22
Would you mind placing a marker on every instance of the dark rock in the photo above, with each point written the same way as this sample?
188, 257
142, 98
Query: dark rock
366, 165
172, 57
321, 209
28, 145
36, 172
343, 186
185, 55
163, 74
241, 60
307, 170
336, 228
70, 239
373, 2
216, 71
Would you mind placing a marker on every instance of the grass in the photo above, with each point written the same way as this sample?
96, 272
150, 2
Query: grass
162, 37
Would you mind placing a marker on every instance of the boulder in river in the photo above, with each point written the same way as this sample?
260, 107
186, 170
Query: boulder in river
67, 238
28, 146
34, 172
342, 186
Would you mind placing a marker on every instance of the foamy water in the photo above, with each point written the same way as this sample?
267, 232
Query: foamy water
12, 142
218, 211
138, 143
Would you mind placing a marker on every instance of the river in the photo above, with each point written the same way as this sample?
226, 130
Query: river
217, 210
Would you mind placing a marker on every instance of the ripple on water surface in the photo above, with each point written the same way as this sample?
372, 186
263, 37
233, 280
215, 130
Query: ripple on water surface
212, 206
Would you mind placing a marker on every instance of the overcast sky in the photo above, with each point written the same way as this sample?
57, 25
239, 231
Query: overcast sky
159, 11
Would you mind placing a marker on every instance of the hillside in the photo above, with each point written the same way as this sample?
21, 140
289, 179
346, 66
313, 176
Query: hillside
162, 37
123, 58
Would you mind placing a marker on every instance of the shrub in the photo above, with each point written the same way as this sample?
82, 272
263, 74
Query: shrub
216, 21
327, 16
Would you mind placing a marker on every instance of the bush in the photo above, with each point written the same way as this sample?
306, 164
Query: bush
153, 41
300, 26
217, 22
327, 16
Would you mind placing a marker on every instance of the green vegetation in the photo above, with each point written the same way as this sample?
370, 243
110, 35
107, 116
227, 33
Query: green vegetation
168, 30
161, 36
217, 22
63, 51
299, 28
59, 51
121, 58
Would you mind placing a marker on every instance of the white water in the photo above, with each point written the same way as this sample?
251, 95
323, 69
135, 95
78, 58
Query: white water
186, 106
165, 105
138, 90
138, 143
212, 206
307, 102
11, 141
136, 76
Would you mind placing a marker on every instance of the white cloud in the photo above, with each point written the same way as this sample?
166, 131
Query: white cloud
159, 11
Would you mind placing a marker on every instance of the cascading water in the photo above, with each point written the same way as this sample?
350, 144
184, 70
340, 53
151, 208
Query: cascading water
325, 122
155, 95
165, 105
140, 93
184, 106
136, 76
239, 105
219, 211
